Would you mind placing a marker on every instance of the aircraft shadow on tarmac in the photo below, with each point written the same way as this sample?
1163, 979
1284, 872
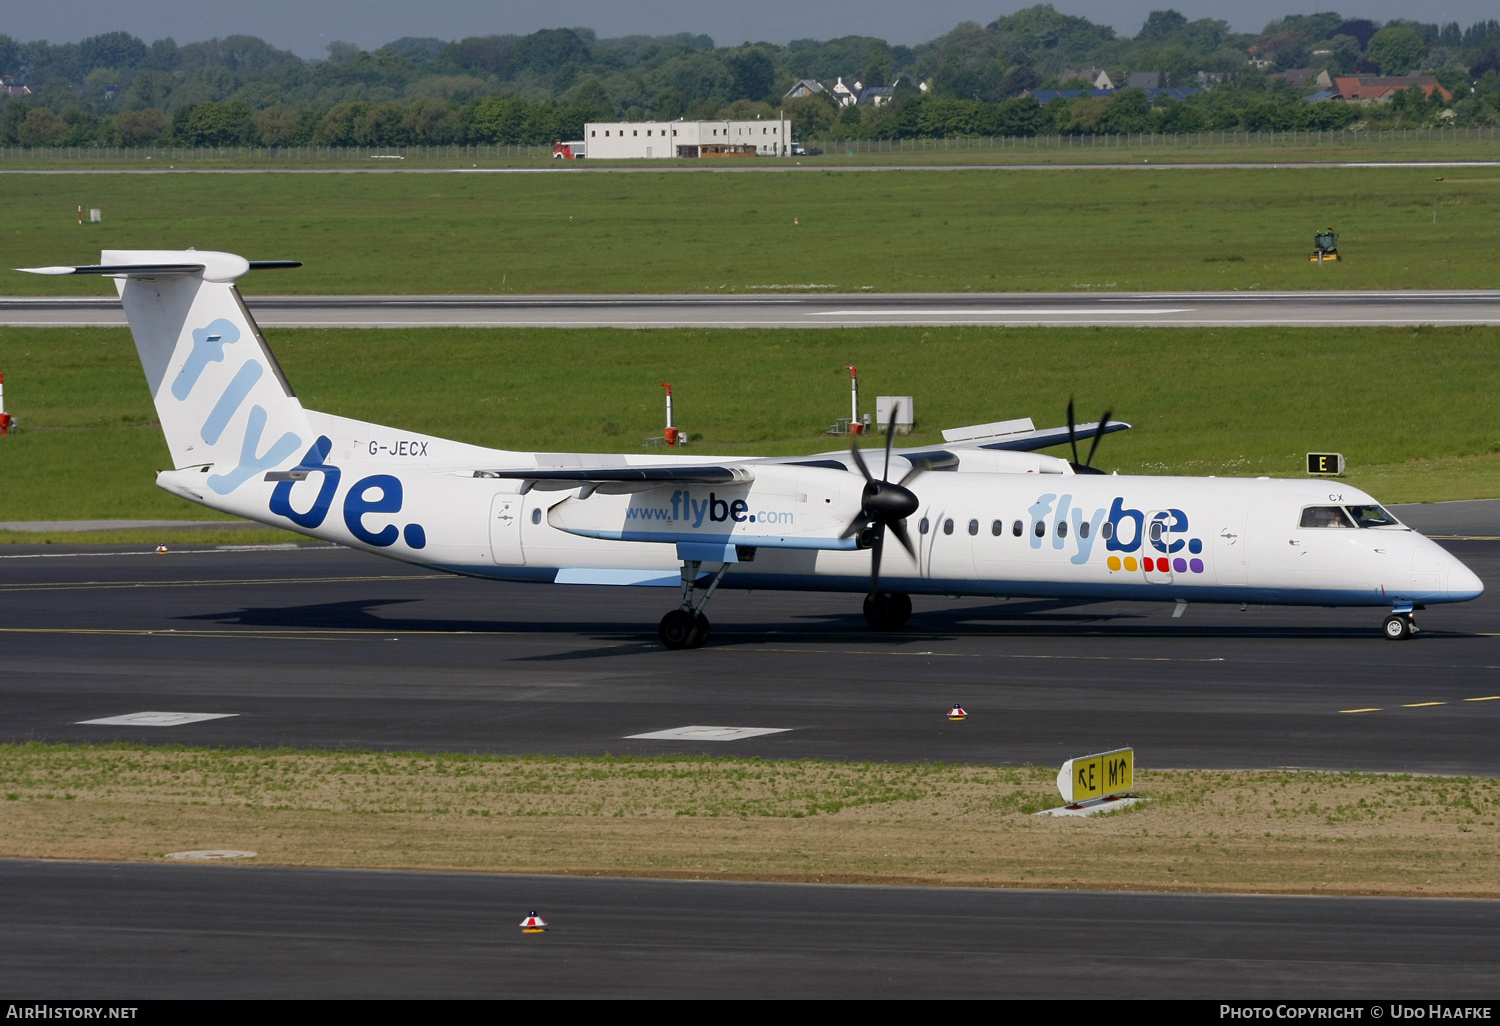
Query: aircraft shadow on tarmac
1044, 618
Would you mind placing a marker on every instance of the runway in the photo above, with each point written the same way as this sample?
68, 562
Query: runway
117, 931
791, 308
319, 646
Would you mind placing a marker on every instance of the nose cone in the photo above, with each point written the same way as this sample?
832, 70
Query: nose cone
1463, 583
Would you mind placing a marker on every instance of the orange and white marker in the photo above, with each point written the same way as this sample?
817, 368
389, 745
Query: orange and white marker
533, 923
161, 549
957, 713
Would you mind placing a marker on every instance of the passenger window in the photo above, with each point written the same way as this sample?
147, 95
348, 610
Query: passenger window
947, 526
973, 527
997, 529
536, 515
1041, 529
1062, 528
1156, 526
923, 526
1325, 516
1108, 530
1017, 529
1083, 529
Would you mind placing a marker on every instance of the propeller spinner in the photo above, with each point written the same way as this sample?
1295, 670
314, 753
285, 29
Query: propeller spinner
884, 505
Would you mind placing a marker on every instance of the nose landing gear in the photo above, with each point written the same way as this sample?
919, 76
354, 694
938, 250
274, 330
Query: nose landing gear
686, 626
1400, 625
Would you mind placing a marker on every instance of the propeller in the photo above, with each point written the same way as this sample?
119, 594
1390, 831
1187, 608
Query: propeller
1087, 466
884, 505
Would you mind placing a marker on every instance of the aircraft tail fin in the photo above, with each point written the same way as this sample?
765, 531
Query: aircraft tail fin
223, 401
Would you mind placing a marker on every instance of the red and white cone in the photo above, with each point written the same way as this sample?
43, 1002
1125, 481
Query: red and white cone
957, 713
533, 923
161, 548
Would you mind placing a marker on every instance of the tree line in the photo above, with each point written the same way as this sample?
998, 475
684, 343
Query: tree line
116, 90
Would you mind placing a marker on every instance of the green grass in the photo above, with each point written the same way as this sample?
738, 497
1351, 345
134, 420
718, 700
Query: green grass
1411, 409
664, 232
680, 816
1252, 147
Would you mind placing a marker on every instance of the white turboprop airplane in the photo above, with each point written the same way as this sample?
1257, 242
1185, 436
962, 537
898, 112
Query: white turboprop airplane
991, 516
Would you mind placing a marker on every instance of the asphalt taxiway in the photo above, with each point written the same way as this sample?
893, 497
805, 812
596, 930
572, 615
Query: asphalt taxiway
120, 931
325, 647
797, 308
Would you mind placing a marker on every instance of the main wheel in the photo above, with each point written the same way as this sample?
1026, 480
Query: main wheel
700, 632
887, 612
1398, 627
678, 629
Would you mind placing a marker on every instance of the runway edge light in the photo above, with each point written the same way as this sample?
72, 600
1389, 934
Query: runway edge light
957, 712
533, 923
1104, 775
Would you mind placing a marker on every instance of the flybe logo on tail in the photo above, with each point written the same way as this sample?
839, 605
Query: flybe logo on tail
378, 493
208, 347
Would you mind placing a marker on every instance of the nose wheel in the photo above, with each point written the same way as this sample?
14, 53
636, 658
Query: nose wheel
1399, 626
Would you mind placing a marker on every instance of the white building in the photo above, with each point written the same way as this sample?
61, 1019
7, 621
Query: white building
657, 140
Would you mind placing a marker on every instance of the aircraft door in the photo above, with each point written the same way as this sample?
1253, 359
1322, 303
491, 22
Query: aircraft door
1155, 563
929, 526
1231, 547
950, 546
505, 530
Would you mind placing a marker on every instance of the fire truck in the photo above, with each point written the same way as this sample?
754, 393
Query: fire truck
568, 150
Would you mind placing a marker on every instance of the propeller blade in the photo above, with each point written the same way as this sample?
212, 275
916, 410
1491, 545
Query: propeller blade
1098, 434
916, 468
890, 437
877, 545
856, 525
1072, 434
860, 462
902, 537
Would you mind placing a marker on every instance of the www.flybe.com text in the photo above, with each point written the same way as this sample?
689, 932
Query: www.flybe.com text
712, 509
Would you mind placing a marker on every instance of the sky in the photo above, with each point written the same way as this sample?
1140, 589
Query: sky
307, 28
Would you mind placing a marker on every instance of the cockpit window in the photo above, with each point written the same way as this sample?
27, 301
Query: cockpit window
1372, 516
1325, 516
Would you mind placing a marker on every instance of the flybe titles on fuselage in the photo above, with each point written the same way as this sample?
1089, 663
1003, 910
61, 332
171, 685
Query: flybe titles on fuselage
1160, 537
685, 509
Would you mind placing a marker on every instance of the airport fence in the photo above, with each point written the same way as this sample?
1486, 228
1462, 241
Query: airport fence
280, 155
1289, 138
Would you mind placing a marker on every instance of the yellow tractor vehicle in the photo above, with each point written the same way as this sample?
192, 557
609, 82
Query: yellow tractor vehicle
1325, 246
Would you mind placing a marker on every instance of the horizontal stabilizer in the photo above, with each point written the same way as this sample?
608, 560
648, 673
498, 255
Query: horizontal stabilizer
166, 263
118, 270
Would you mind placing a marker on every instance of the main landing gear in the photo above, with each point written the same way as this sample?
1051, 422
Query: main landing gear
888, 612
686, 626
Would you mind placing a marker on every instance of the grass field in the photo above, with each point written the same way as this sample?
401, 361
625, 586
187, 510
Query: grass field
892, 231
1224, 401
1271, 832
1384, 145
1411, 409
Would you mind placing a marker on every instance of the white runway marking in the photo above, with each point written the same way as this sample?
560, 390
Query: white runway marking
1089, 311
709, 733
156, 719
210, 853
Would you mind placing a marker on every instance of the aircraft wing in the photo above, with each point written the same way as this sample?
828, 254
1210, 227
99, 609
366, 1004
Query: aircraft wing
618, 480
1021, 435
